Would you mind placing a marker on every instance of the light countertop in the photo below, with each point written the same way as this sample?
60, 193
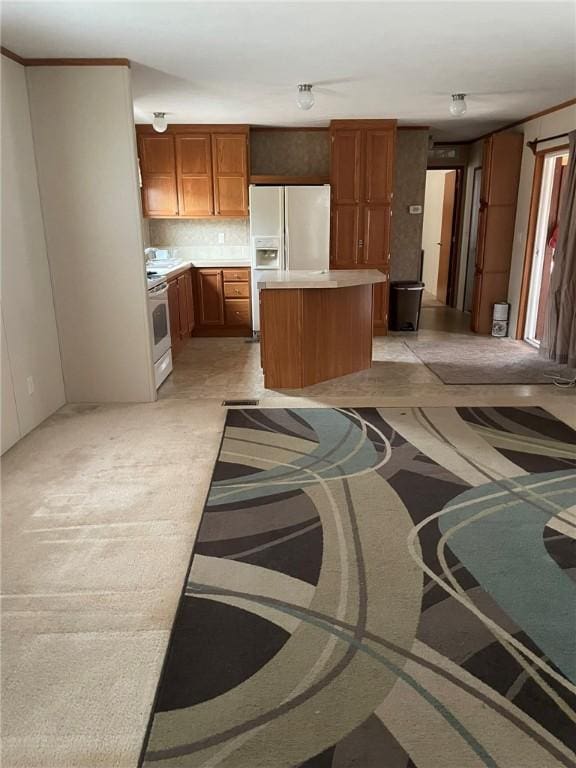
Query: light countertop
336, 278
166, 272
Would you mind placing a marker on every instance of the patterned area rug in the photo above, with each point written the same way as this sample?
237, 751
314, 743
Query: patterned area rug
379, 588
484, 360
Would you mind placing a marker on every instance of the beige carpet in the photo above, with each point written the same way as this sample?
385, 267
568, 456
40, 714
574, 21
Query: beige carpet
100, 508
486, 360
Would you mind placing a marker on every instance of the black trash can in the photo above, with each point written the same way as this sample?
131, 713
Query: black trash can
405, 303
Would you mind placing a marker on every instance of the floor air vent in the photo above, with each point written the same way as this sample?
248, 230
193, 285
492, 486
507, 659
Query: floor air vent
239, 403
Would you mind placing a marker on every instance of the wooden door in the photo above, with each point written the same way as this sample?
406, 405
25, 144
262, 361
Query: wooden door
375, 244
446, 236
346, 166
381, 296
158, 170
345, 235
230, 166
346, 214
174, 311
210, 297
188, 289
194, 174
379, 166
183, 306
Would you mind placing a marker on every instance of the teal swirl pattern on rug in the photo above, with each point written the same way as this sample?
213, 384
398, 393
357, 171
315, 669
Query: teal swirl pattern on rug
378, 588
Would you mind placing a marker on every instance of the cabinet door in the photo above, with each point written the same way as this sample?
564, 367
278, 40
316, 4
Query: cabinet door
189, 301
489, 288
379, 166
375, 249
194, 172
230, 164
210, 294
346, 166
174, 311
345, 235
381, 309
158, 170
183, 306
503, 156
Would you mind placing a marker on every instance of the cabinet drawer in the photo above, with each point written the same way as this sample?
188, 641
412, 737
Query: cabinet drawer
237, 312
235, 275
237, 290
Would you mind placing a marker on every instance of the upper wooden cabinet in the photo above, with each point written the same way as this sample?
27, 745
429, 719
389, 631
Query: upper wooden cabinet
194, 174
230, 164
158, 170
194, 171
501, 161
379, 168
346, 166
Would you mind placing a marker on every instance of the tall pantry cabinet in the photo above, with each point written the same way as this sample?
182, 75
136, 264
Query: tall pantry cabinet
502, 156
362, 188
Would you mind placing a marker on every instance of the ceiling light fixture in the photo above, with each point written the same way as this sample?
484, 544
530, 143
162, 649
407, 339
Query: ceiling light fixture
159, 123
458, 104
305, 97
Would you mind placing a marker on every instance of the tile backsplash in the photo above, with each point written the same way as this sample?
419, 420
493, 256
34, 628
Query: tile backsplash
172, 233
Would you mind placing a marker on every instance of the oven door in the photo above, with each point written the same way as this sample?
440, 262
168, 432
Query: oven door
159, 320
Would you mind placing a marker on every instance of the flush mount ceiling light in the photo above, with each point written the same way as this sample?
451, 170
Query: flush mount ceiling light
159, 123
305, 97
458, 104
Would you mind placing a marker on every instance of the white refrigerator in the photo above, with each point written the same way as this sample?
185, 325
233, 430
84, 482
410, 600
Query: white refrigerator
289, 229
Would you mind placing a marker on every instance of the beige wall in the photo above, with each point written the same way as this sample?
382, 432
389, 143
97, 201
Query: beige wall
87, 168
30, 351
431, 228
409, 183
548, 125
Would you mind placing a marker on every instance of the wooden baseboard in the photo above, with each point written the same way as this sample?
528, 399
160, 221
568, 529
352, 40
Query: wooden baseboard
221, 332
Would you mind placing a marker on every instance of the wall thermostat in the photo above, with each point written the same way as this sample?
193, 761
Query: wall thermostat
415, 209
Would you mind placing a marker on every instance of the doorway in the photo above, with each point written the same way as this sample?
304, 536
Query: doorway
552, 176
472, 240
439, 236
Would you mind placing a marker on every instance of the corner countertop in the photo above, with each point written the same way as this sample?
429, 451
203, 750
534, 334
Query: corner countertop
335, 278
167, 272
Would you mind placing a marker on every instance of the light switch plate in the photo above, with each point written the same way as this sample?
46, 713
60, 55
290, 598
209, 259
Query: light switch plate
220, 237
415, 209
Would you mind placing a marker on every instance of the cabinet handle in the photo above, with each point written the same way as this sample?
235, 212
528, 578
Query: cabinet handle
360, 243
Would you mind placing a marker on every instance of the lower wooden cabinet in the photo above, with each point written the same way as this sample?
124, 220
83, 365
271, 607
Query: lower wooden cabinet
381, 296
181, 309
222, 300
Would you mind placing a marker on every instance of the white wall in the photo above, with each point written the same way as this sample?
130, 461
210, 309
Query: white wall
29, 336
87, 168
548, 125
432, 227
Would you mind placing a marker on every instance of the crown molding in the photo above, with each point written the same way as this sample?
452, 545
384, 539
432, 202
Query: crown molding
64, 62
11, 55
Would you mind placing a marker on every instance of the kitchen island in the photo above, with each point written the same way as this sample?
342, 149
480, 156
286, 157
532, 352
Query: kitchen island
315, 326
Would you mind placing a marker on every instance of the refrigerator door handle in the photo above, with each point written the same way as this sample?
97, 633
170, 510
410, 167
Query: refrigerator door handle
286, 231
